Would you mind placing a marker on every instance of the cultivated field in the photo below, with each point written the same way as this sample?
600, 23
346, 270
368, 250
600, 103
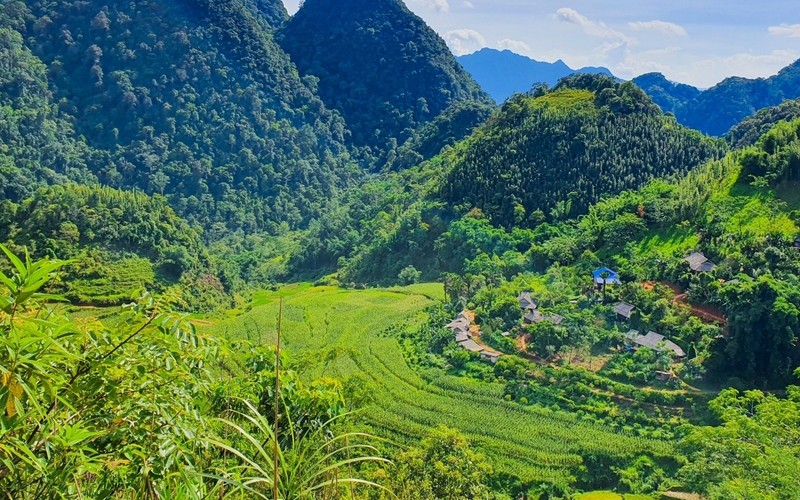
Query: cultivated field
344, 334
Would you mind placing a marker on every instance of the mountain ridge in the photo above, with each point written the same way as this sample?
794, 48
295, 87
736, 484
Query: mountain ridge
716, 110
356, 49
503, 73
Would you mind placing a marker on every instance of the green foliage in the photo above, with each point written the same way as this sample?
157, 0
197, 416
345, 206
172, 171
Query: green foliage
564, 150
191, 100
122, 242
442, 466
408, 276
354, 51
309, 466
39, 146
130, 409
454, 124
753, 453
91, 410
749, 131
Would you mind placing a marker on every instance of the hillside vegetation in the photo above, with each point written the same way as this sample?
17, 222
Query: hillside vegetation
356, 50
121, 243
192, 100
550, 155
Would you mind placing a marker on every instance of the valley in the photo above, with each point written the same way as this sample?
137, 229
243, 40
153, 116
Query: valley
248, 254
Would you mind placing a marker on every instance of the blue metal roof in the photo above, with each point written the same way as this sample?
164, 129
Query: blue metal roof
612, 279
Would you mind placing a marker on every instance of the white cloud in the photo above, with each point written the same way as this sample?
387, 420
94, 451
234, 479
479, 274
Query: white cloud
437, 5
468, 4
707, 72
592, 28
664, 27
517, 46
464, 41
790, 30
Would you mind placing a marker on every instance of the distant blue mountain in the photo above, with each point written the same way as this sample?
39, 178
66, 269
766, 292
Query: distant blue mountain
504, 73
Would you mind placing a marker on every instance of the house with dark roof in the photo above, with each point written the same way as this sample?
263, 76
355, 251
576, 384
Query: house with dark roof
471, 346
797, 244
624, 311
654, 341
699, 263
527, 302
606, 276
537, 316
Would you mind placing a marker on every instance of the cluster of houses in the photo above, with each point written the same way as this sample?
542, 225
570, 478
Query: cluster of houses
652, 340
465, 333
532, 314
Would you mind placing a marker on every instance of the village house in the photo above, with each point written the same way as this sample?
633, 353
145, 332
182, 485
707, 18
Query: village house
699, 263
624, 311
797, 244
527, 302
536, 316
605, 276
490, 356
462, 330
654, 341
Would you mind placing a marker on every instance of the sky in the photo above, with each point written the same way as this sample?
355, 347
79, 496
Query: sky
699, 42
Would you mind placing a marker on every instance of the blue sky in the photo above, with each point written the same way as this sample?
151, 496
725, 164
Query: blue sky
693, 41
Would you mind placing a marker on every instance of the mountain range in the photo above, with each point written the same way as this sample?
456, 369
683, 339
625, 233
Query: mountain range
503, 73
716, 110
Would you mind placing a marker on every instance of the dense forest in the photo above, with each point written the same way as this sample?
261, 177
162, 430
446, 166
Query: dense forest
549, 155
355, 49
750, 130
193, 101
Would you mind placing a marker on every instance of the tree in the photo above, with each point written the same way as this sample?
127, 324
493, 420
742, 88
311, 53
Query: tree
443, 466
409, 275
752, 454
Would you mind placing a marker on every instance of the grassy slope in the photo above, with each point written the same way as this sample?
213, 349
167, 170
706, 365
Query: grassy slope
344, 334
745, 209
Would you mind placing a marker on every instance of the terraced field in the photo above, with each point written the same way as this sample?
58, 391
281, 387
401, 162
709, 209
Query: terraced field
342, 333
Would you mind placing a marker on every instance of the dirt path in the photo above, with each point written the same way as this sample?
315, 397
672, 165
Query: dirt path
476, 335
706, 313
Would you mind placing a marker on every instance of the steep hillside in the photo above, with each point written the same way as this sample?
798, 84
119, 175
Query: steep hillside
504, 73
381, 66
750, 130
190, 99
38, 144
552, 155
719, 108
121, 243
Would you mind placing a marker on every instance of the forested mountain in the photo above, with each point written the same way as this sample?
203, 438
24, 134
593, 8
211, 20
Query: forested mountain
381, 66
550, 155
716, 110
670, 96
750, 130
504, 73
38, 143
193, 100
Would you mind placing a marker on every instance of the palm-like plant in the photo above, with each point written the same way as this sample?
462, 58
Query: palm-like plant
313, 465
